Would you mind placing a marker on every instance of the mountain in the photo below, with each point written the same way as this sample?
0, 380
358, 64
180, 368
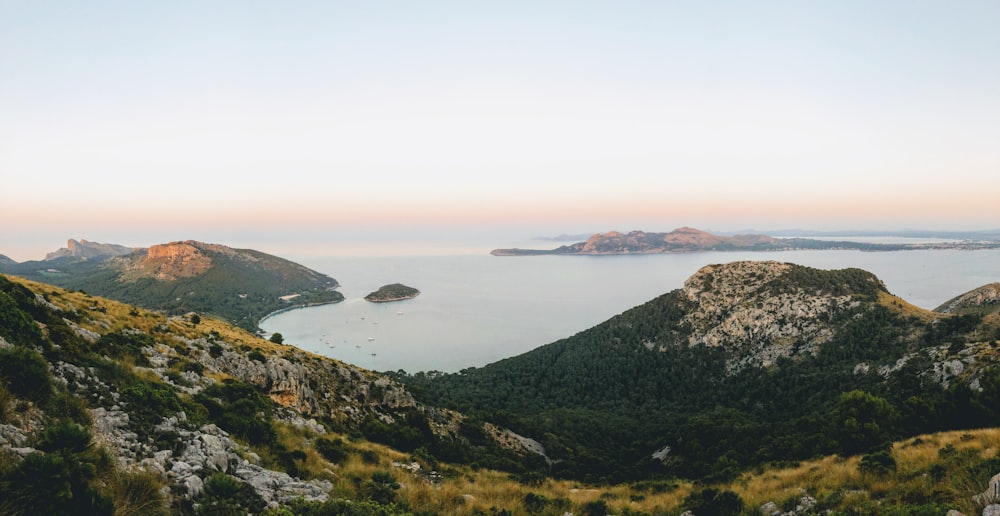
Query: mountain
240, 285
104, 405
88, 250
985, 299
749, 363
106, 408
686, 240
6, 261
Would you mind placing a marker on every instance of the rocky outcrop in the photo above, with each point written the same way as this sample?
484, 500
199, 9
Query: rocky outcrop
89, 250
733, 308
985, 299
168, 262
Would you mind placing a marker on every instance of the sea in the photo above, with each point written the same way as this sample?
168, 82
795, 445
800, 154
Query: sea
475, 309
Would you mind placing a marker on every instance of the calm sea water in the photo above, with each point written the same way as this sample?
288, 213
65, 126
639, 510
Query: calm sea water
477, 309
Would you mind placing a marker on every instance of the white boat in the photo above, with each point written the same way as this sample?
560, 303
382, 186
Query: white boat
371, 339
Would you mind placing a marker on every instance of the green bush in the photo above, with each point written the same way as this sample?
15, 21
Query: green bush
225, 495
712, 502
60, 481
535, 503
381, 488
16, 326
27, 374
125, 344
239, 408
877, 463
332, 450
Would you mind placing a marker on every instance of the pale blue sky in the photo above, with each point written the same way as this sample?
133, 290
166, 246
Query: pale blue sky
153, 121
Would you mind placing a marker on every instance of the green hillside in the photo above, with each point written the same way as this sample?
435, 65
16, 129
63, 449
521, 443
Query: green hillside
239, 285
107, 408
783, 387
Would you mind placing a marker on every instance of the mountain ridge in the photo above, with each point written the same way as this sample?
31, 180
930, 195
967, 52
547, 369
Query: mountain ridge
241, 285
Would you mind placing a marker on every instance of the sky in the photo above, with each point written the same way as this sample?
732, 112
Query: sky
290, 122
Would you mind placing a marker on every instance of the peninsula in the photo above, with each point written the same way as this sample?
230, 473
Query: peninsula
688, 240
392, 292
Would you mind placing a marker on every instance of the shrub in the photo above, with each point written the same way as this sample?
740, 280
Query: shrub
6, 398
225, 495
712, 502
61, 480
535, 503
241, 409
193, 367
27, 373
878, 463
381, 488
136, 493
68, 406
125, 344
16, 326
334, 451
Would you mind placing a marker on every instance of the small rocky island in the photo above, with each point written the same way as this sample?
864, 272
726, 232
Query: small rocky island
393, 292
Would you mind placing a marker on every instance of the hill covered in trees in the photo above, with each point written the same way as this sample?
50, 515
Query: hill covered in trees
750, 363
240, 285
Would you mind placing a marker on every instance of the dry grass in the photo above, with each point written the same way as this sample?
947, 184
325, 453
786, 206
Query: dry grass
836, 478
905, 308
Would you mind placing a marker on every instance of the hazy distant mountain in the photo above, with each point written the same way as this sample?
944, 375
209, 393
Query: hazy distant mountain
6, 260
686, 240
747, 363
241, 285
88, 250
990, 234
565, 237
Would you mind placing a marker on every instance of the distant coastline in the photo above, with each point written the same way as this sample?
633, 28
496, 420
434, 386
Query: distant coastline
690, 240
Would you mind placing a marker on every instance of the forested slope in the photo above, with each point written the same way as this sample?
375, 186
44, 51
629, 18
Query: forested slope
749, 363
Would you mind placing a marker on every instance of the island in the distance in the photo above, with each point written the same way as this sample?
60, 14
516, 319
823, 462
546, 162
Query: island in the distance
393, 292
687, 240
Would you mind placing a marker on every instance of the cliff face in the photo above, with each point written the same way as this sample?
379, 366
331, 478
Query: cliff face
170, 261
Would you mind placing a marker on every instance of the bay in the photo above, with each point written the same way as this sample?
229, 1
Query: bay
477, 309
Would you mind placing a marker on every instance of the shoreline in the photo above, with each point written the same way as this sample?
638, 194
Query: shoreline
295, 307
392, 300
